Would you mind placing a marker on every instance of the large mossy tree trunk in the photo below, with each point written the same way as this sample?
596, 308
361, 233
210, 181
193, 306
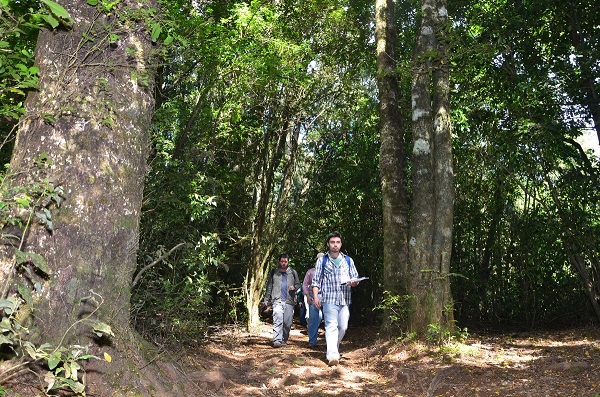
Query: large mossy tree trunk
391, 160
90, 118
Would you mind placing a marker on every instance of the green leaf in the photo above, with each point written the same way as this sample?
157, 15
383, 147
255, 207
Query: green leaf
51, 21
30, 349
93, 3
74, 368
77, 387
54, 360
57, 10
6, 303
101, 328
5, 325
156, 30
25, 293
4, 340
37, 260
23, 200
168, 40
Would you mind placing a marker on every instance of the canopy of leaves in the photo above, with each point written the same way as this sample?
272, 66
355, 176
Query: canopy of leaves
239, 78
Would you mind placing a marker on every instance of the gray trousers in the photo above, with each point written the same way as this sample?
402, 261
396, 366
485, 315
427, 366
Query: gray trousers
283, 314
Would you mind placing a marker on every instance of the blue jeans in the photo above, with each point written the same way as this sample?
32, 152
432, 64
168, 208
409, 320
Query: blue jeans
314, 320
283, 314
302, 314
336, 324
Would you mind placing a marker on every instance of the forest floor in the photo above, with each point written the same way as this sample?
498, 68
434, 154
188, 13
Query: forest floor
558, 363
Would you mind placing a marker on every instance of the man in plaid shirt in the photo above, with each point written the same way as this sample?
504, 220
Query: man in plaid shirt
332, 283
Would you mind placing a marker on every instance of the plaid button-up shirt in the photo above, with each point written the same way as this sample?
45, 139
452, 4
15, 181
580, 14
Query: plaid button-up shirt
329, 278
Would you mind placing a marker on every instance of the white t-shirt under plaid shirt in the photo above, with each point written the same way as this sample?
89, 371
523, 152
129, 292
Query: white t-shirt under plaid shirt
329, 277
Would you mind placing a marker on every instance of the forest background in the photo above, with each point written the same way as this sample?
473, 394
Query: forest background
265, 137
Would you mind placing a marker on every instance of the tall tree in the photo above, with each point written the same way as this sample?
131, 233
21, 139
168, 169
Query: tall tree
85, 134
430, 243
391, 157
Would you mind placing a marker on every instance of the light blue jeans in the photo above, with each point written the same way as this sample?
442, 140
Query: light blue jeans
314, 321
283, 315
336, 324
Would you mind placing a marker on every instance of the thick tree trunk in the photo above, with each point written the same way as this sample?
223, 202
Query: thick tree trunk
90, 117
433, 192
392, 158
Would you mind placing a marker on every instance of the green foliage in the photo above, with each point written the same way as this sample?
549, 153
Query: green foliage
440, 335
21, 204
239, 83
57, 14
396, 306
241, 77
522, 183
179, 307
63, 363
19, 25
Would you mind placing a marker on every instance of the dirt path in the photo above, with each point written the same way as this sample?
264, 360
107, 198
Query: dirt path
234, 363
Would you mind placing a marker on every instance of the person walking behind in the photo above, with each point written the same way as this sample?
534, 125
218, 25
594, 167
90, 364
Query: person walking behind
302, 311
315, 315
282, 285
332, 280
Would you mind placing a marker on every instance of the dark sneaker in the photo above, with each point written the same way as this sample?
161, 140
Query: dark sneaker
312, 345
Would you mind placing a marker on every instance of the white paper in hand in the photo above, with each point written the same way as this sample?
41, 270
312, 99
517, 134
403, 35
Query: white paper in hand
352, 280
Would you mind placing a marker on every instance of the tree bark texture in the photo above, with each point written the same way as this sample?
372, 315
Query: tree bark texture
430, 242
392, 156
91, 116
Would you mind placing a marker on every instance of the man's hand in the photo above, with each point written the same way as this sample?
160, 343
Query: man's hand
317, 302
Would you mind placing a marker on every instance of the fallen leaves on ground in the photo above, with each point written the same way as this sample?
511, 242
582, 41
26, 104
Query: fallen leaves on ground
236, 363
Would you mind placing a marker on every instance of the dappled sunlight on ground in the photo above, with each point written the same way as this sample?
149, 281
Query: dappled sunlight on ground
235, 363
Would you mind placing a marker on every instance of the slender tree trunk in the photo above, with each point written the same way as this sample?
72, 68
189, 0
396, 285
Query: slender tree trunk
90, 117
444, 170
267, 216
433, 192
392, 157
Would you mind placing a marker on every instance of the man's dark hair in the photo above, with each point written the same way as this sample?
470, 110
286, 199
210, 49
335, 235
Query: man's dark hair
283, 256
332, 235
